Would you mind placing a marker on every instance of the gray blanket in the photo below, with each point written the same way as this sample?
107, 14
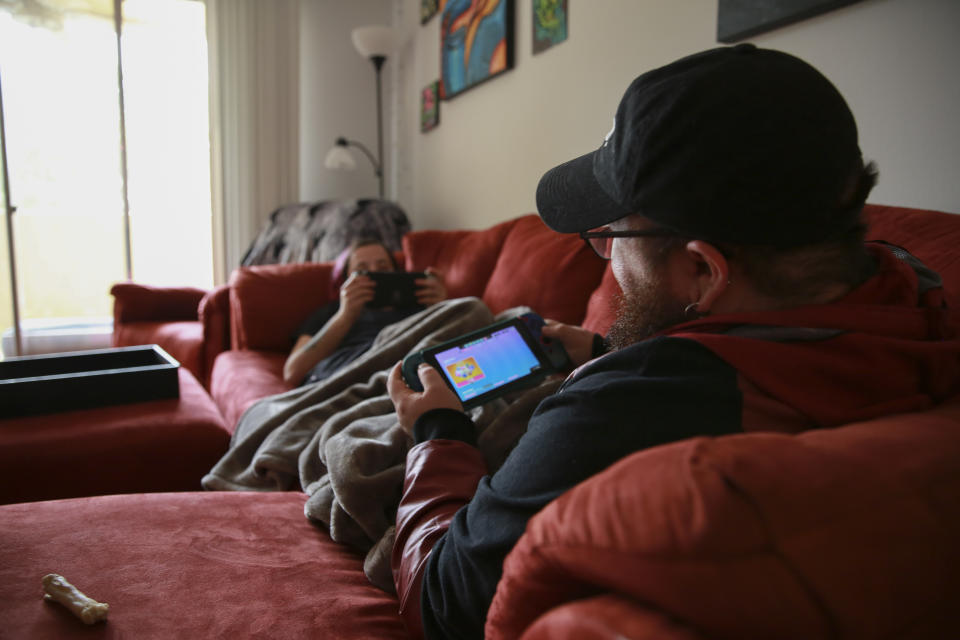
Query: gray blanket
339, 441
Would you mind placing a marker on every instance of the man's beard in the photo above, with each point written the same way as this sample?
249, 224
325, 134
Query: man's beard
644, 309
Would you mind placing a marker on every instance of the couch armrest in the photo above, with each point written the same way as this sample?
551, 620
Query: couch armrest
138, 302
214, 312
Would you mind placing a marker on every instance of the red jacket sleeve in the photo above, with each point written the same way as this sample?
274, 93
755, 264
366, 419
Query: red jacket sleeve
441, 477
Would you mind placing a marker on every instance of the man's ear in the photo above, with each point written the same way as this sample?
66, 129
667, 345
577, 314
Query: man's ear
712, 273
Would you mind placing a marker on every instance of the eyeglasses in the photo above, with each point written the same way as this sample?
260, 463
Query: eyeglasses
601, 239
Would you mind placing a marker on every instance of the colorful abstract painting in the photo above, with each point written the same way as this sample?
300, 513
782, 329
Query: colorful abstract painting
549, 23
476, 43
430, 106
428, 8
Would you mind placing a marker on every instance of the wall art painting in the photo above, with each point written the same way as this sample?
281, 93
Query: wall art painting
430, 106
428, 9
739, 19
476, 43
549, 23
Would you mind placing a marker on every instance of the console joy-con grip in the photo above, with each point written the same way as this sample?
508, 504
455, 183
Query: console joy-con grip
552, 348
409, 369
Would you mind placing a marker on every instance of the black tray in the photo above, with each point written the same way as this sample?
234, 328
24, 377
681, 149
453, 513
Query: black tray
84, 379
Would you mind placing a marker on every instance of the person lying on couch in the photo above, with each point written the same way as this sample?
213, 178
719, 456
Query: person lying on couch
728, 196
341, 331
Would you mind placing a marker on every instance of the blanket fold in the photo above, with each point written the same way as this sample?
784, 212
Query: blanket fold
339, 440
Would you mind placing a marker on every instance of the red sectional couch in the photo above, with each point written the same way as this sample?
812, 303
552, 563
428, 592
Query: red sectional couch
841, 533
240, 333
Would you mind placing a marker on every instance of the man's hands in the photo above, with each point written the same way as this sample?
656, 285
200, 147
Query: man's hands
576, 340
411, 404
431, 290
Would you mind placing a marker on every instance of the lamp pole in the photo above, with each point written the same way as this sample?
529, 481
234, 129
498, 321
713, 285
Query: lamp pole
10, 209
377, 65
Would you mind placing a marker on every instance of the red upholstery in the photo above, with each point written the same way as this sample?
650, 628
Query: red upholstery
139, 302
182, 339
187, 565
215, 317
242, 377
847, 532
536, 264
189, 324
166, 316
269, 302
163, 445
466, 258
606, 617
841, 533
932, 236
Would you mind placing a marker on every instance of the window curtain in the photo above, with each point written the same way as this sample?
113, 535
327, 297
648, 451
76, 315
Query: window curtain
254, 119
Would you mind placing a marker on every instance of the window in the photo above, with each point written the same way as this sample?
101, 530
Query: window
63, 132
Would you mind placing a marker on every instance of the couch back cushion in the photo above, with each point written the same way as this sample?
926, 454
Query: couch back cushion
269, 302
932, 236
552, 273
466, 258
845, 532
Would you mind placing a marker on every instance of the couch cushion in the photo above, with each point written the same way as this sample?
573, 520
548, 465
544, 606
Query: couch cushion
552, 273
932, 236
269, 302
241, 377
607, 617
848, 532
187, 565
466, 258
160, 445
181, 339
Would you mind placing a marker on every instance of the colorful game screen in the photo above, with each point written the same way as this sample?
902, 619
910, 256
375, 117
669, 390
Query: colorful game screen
487, 363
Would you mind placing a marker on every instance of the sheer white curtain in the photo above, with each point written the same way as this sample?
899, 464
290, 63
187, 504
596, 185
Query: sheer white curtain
254, 118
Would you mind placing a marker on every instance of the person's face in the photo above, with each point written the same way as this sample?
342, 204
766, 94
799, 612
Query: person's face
371, 257
650, 301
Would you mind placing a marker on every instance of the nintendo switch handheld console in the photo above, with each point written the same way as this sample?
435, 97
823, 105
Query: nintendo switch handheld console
396, 289
490, 362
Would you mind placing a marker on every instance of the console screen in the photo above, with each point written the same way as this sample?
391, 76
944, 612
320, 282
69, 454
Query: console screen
486, 363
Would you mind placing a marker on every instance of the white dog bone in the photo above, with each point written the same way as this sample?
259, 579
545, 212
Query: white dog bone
57, 589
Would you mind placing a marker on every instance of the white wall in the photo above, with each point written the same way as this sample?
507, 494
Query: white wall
894, 60
338, 95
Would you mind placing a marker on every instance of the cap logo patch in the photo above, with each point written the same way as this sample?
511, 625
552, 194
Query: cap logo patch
606, 138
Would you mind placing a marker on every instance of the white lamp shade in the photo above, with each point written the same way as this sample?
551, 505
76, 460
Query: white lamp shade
373, 41
339, 158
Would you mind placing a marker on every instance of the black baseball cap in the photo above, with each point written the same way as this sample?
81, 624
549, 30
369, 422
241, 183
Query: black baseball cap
735, 144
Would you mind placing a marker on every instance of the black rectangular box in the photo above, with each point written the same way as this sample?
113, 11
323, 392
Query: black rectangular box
84, 379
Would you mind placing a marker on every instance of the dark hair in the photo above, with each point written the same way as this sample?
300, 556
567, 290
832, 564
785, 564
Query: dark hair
796, 275
366, 241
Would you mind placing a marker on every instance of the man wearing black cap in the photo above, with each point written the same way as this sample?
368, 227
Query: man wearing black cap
728, 196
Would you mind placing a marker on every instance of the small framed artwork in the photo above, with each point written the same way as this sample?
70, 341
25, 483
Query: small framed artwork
428, 9
739, 19
476, 43
430, 106
549, 23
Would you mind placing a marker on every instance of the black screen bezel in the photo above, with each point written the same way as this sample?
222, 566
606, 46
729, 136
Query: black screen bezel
389, 281
526, 381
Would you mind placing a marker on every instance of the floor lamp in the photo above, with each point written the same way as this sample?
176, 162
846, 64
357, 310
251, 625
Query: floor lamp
9, 211
374, 43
